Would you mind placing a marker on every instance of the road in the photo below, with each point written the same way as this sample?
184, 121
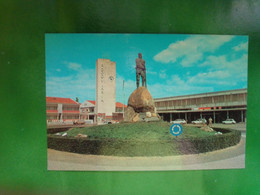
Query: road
232, 157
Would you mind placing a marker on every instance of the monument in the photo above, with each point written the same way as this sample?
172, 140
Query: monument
105, 87
140, 70
140, 103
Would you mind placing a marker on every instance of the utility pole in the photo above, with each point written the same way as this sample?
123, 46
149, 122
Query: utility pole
123, 99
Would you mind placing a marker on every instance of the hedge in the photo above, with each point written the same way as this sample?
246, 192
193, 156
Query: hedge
51, 130
199, 145
123, 147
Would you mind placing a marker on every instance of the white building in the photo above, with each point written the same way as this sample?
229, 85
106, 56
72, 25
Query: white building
88, 110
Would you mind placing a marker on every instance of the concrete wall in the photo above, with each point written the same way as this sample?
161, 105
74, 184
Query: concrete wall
105, 86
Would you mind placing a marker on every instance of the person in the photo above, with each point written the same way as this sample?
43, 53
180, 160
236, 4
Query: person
210, 121
204, 121
140, 70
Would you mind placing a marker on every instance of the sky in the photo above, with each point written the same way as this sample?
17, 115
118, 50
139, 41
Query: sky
176, 64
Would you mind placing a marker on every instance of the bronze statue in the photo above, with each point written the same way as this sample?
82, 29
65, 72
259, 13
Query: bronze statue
140, 70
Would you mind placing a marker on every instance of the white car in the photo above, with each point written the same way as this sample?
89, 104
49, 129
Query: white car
179, 121
229, 121
199, 121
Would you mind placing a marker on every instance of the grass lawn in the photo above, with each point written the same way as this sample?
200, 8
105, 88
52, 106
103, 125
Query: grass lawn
141, 139
138, 131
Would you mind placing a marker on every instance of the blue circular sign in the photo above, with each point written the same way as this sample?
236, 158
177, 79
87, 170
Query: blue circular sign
176, 129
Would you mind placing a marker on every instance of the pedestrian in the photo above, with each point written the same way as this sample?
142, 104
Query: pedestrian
204, 121
210, 121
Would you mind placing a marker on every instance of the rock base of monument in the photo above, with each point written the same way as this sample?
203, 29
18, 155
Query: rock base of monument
141, 107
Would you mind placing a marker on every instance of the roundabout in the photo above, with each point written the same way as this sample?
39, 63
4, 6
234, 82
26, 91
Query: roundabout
143, 139
229, 158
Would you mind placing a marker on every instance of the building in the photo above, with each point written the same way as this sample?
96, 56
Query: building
119, 114
88, 112
105, 87
64, 109
120, 108
217, 105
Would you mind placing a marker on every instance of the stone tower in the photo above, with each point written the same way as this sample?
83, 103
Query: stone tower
105, 86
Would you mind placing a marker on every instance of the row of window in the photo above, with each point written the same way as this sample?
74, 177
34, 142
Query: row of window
52, 107
70, 117
203, 100
70, 108
64, 117
64, 108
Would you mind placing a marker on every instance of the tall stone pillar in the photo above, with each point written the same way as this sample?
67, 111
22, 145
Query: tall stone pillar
105, 86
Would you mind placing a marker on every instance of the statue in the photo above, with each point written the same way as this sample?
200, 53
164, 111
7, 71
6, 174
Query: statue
140, 70
141, 105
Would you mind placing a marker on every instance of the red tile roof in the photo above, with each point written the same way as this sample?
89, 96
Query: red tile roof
60, 100
92, 102
120, 105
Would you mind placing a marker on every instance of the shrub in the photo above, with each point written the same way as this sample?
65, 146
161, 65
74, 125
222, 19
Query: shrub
155, 147
210, 143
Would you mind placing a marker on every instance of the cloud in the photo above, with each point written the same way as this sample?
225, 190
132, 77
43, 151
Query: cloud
212, 78
82, 85
219, 70
236, 67
176, 80
177, 86
73, 66
241, 47
192, 49
205, 81
161, 90
162, 74
215, 61
151, 72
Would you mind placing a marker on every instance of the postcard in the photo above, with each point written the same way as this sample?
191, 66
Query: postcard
146, 102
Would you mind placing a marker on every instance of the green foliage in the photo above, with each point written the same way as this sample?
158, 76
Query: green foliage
137, 131
142, 139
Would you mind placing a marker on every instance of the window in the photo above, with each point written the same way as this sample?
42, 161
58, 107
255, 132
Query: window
207, 100
228, 98
70, 108
51, 117
51, 108
193, 101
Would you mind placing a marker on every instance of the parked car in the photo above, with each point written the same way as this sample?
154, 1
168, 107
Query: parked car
79, 122
229, 121
179, 121
199, 121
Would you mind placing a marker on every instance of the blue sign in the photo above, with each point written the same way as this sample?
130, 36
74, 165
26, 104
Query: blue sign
176, 129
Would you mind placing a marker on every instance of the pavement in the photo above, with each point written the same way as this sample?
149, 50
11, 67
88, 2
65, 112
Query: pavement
229, 158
